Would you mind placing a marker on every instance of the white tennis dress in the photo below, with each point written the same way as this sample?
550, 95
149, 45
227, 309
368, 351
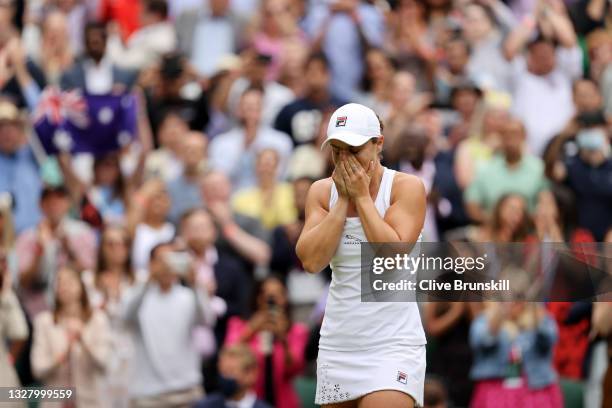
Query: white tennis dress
366, 347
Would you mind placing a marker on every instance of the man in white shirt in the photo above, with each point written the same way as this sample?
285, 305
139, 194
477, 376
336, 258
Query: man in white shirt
542, 80
94, 72
163, 314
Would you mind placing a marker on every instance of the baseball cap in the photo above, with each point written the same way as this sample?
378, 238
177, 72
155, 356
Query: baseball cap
353, 124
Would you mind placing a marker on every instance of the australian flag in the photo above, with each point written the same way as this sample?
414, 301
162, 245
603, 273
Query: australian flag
80, 123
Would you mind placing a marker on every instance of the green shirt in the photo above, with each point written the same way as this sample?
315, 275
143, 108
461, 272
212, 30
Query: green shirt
495, 179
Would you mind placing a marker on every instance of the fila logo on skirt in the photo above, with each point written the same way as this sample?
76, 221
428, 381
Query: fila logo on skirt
402, 377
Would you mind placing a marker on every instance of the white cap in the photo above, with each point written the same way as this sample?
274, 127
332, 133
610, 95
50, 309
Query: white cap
353, 124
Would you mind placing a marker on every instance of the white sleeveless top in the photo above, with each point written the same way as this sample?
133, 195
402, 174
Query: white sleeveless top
349, 324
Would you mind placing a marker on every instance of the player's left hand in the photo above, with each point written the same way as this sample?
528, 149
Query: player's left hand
358, 185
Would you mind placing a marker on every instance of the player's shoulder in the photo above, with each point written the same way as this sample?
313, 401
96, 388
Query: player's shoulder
407, 186
320, 190
407, 181
322, 185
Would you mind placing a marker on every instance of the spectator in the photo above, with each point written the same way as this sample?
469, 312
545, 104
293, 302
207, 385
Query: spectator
165, 162
587, 174
511, 171
195, 28
12, 326
113, 273
162, 314
17, 158
106, 288
453, 71
512, 344
435, 394
292, 70
349, 25
486, 64
54, 53
403, 105
271, 202
95, 73
476, 151
448, 324
542, 81
274, 95
238, 370
284, 237
466, 100
410, 41
278, 344
234, 152
301, 118
271, 30
57, 241
148, 225
20, 78
173, 87
227, 282
376, 84
410, 154
184, 191
154, 38
72, 343
240, 235
509, 222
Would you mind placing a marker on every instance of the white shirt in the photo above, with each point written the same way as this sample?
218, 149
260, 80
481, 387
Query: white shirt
165, 358
248, 401
544, 103
145, 46
98, 78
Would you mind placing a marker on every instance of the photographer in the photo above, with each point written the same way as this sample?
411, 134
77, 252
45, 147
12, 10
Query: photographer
163, 314
277, 342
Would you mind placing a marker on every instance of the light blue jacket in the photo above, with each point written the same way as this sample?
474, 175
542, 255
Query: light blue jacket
491, 353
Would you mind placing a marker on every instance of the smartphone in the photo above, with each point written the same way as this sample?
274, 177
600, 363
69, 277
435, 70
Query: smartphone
179, 262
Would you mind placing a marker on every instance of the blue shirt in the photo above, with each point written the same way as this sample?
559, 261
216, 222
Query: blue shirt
342, 44
185, 195
592, 187
20, 176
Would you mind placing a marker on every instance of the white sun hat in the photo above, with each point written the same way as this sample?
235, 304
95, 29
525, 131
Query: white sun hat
353, 124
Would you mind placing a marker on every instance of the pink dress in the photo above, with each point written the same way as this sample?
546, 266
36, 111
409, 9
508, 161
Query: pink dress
493, 394
285, 395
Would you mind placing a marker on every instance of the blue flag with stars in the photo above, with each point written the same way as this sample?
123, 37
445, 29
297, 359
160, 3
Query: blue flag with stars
70, 121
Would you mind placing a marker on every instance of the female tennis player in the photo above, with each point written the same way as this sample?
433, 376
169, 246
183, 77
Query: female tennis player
371, 355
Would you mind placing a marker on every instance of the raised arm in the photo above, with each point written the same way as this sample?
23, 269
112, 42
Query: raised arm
517, 39
322, 228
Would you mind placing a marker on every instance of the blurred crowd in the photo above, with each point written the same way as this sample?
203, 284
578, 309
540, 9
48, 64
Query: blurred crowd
164, 274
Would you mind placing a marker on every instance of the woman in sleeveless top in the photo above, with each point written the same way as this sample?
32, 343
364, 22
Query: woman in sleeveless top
370, 354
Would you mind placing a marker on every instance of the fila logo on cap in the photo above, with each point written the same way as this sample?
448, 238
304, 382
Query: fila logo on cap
341, 121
